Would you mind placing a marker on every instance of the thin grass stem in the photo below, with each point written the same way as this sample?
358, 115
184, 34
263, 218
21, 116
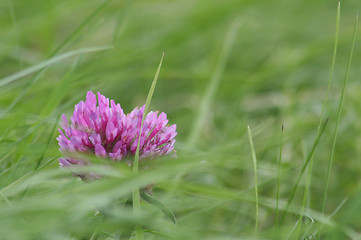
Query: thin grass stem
47, 144
136, 194
315, 144
16, 31
305, 196
254, 159
278, 177
339, 112
213, 85
332, 70
332, 66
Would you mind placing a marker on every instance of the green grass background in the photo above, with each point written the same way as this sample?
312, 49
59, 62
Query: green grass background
227, 65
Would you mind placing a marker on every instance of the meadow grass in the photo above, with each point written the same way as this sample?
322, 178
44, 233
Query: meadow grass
227, 65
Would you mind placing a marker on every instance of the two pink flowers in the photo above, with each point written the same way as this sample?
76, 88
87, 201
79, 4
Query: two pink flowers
104, 130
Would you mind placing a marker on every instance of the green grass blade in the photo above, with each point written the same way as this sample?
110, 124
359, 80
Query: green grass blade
339, 111
136, 197
161, 206
332, 65
49, 62
120, 26
332, 70
305, 197
47, 144
278, 177
59, 91
16, 31
79, 28
255, 175
315, 144
213, 85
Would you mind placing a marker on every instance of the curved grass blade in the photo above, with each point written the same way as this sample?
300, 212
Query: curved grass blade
49, 62
160, 206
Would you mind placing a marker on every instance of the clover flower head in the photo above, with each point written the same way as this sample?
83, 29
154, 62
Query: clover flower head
104, 130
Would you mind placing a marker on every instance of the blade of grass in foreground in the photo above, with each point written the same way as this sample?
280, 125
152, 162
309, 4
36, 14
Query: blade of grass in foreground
315, 144
339, 111
136, 197
278, 178
255, 175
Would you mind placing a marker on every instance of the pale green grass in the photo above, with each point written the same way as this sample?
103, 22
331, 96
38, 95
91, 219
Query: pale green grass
254, 160
278, 178
205, 106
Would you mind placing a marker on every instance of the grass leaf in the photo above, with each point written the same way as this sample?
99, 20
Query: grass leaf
136, 198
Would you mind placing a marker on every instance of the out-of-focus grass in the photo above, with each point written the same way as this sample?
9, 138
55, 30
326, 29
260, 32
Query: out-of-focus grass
276, 73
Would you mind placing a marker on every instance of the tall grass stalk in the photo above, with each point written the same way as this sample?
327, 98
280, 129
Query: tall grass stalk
278, 177
305, 197
16, 31
332, 66
254, 159
323, 106
136, 194
207, 99
211, 90
295, 187
319, 127
339, 111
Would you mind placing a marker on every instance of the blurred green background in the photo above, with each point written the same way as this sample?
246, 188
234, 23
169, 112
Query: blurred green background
227, 64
